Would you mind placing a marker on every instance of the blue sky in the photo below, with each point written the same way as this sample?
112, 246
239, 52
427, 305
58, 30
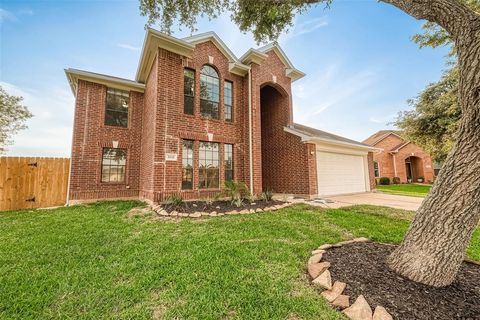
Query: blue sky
361, 65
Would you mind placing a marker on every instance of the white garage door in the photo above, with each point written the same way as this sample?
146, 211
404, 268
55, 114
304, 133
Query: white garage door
340, 173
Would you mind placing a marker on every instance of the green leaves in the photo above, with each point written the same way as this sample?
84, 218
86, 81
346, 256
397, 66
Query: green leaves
434, 121
12, 117
265, 19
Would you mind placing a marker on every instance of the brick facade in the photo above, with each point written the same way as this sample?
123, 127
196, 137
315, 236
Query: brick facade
157, 125
392, 160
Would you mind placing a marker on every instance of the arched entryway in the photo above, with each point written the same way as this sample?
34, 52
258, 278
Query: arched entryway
275, 115
414, 168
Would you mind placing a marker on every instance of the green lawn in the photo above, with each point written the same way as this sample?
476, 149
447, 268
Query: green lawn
414, 190
96, 261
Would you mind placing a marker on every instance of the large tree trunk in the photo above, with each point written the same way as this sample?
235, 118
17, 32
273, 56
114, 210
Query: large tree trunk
434, 246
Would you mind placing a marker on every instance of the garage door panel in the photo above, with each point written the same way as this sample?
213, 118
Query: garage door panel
340, 173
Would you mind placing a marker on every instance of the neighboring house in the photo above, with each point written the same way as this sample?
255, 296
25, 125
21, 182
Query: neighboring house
195, 116
400, 158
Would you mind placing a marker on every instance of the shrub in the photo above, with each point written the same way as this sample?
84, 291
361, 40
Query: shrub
384, 181
237, 202
267, 195
234, 190
173, 200
396, 180
250, 198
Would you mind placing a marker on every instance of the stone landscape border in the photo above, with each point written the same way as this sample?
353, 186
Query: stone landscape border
160, 210
321, 278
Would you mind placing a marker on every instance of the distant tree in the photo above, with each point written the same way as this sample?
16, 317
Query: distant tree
436, 114
434, 246
12, 117
435, 118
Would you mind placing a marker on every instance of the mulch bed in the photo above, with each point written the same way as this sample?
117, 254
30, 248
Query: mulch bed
362, 266
220, 206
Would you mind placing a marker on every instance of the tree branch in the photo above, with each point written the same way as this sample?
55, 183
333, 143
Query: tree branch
452, 15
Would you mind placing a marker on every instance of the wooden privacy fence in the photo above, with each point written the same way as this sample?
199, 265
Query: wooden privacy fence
33, 182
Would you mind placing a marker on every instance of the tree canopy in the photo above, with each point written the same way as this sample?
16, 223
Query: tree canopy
436, 114
12, 117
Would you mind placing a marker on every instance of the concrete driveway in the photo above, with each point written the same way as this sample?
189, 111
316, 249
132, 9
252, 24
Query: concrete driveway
373, 198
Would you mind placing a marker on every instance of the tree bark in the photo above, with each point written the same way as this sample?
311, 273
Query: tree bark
434, 247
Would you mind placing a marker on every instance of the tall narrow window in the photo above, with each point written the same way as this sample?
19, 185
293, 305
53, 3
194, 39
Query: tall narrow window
113, 165
187, 164
116, 108
188, 90
208, 165
228, 100
228, 158
209, 92
376, 169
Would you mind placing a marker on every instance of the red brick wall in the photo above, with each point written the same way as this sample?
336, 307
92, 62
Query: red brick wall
90, 135
285, 159
159, 127
371, 171
148, 134
172, 125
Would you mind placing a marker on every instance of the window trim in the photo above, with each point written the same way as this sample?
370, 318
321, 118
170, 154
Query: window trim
126, 168
194, 90
218, 166
128, 111
378, 169
193, 165
225, 161
231, 120
219, 103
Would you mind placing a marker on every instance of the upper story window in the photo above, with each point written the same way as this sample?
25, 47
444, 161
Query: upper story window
228, 100
209, 92
188, 90
113, 165
376, 169
116, 108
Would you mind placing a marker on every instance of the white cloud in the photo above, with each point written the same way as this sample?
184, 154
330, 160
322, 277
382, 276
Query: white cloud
301, 28
6, 15
386, 119
129, 47
331, 88
49, 131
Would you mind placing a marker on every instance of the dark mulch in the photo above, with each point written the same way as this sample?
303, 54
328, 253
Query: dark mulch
362, 266
220, 206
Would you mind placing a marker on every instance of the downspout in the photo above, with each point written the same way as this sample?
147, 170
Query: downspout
67, 202
250, 147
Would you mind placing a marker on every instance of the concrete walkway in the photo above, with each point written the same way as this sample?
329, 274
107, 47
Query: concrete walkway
372, 198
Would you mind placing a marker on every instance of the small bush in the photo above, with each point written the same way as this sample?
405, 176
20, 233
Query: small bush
384, 181
237, 202
396, 180
267, 195
250, 198
173, 200
234, 190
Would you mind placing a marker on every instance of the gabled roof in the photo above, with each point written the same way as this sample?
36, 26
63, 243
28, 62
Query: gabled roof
399, 146
74, 75
153, 40
312, 134
258, 55
380, 135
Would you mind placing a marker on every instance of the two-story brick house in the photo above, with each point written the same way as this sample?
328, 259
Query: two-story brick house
400, 158
195, 116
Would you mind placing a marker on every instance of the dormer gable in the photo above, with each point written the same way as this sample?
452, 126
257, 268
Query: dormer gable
259, 55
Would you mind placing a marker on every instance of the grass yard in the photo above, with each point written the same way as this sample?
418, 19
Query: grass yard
414, 190
96, 261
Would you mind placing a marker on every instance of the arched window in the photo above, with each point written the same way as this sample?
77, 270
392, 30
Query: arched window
209, 92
